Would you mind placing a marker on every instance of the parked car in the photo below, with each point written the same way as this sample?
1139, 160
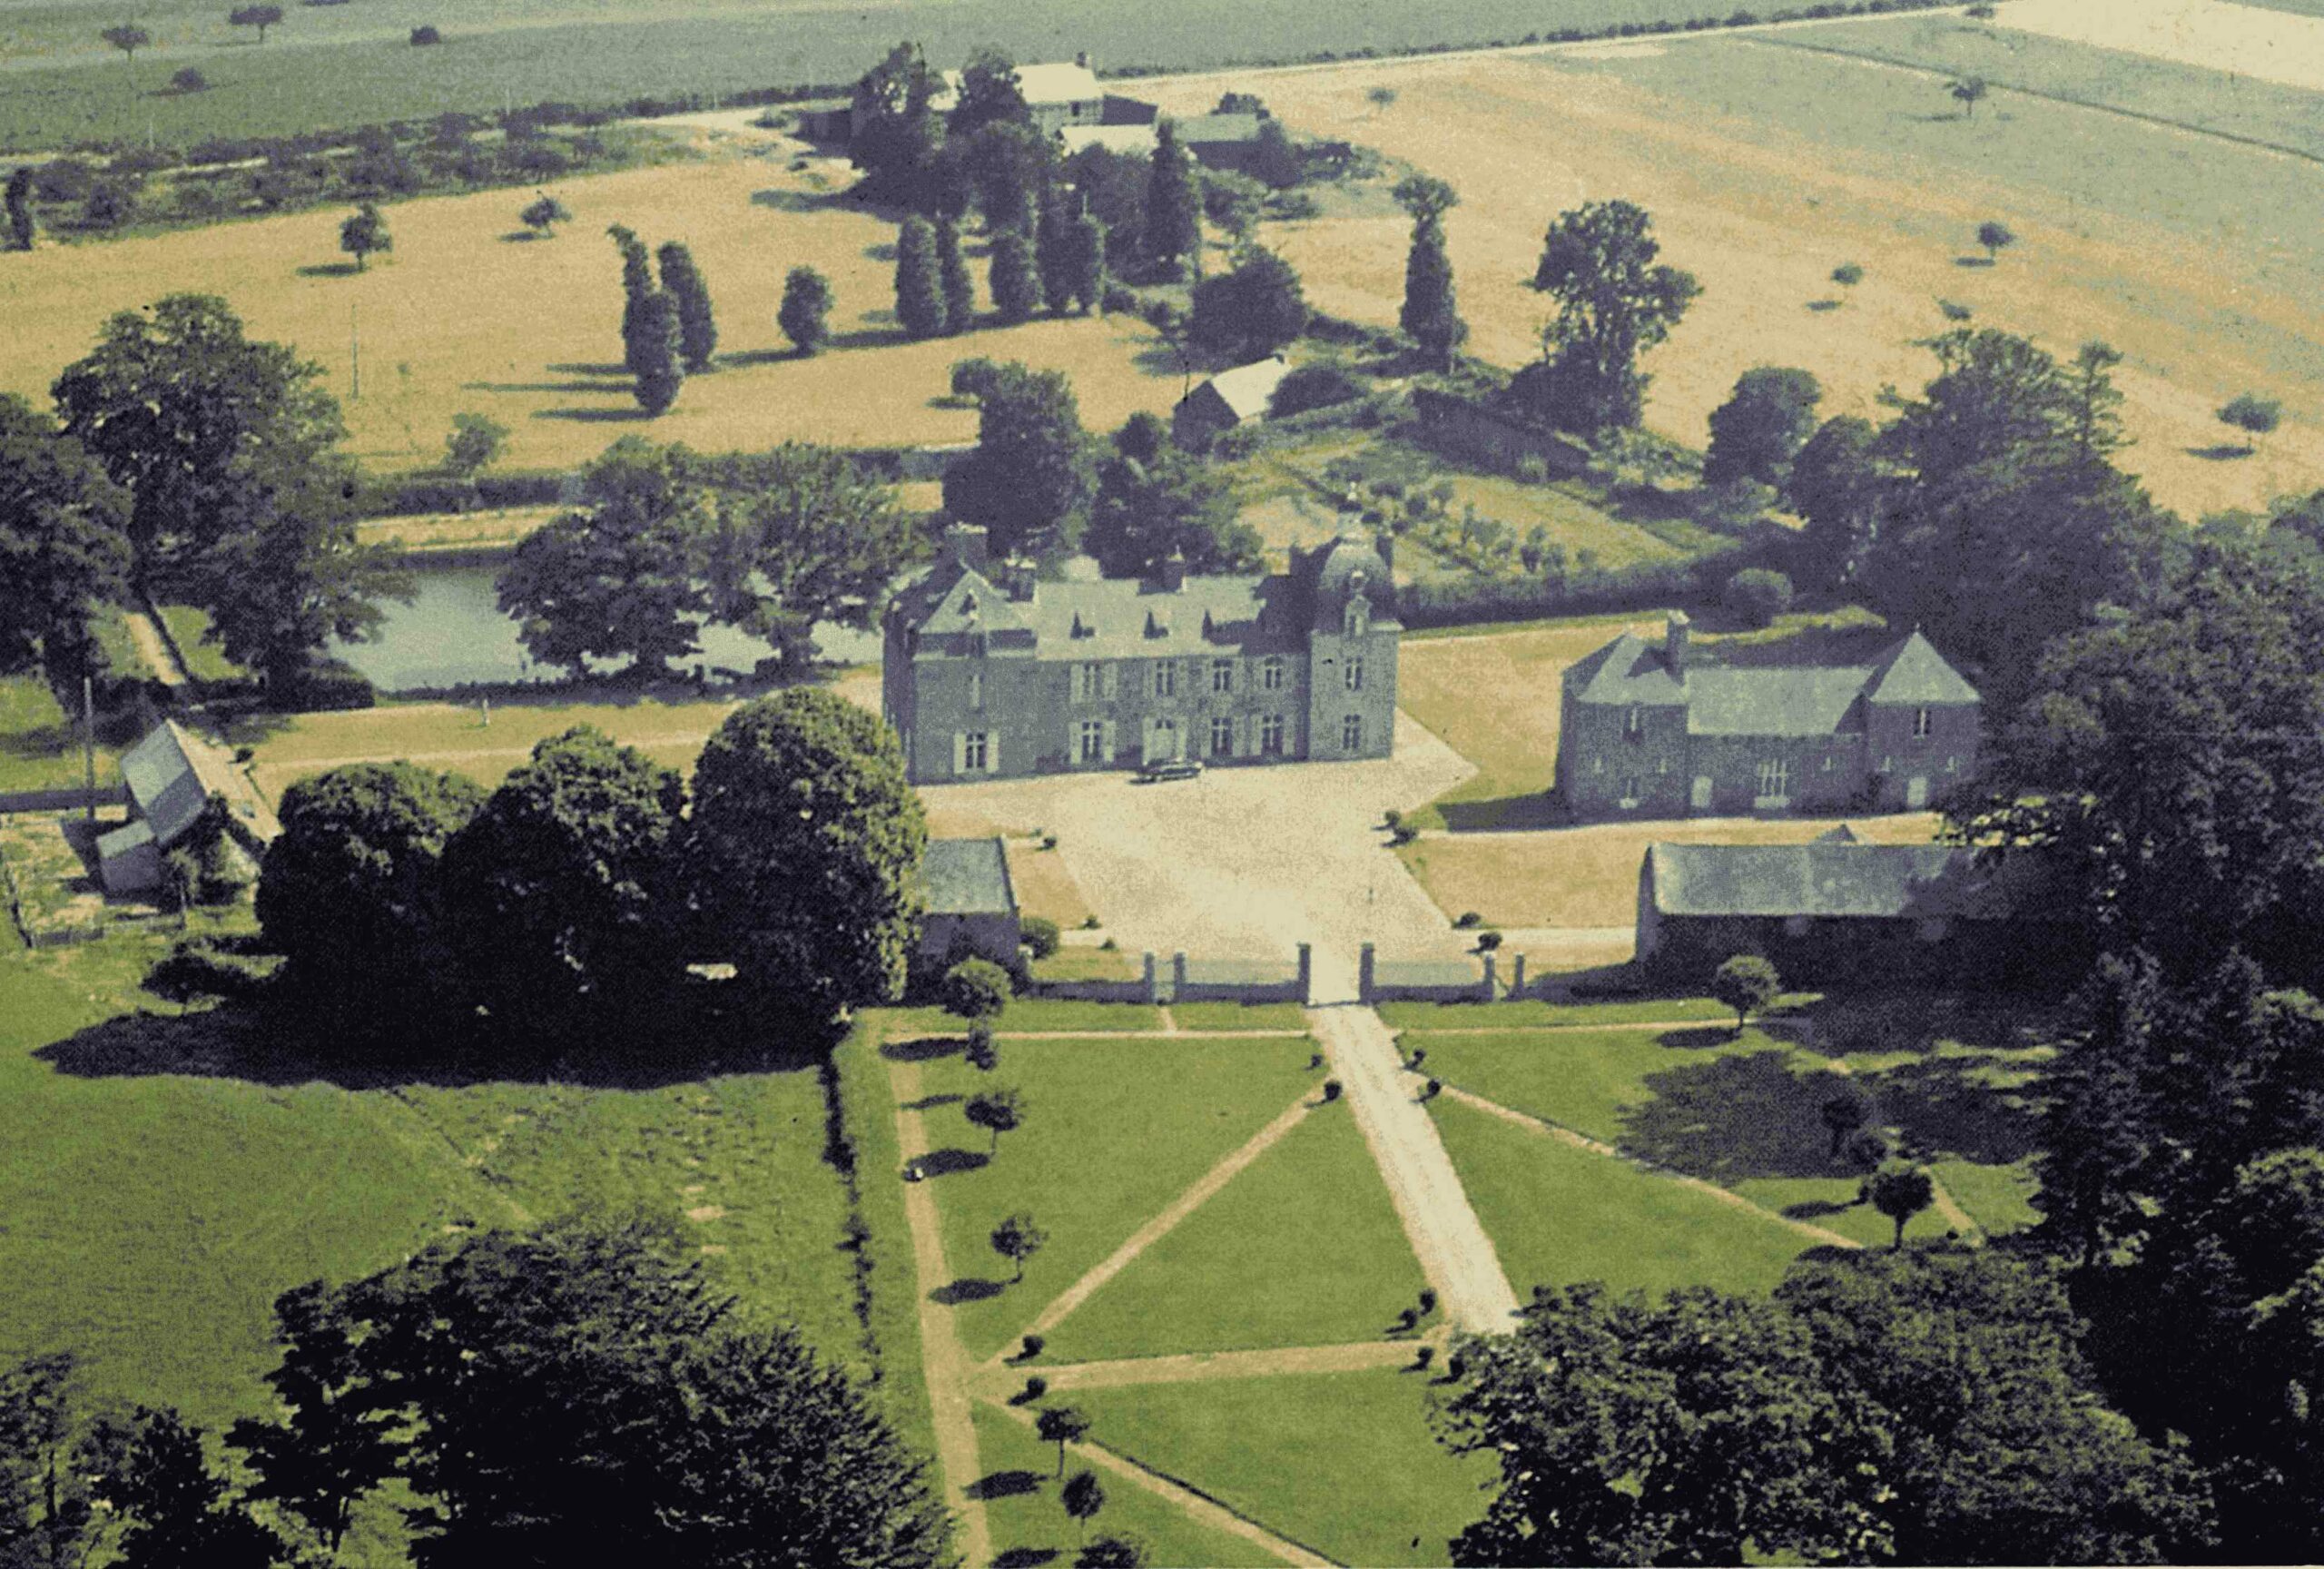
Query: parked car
1154, 773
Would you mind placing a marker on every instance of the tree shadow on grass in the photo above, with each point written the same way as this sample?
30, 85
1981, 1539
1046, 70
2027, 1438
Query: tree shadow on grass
1731, 1119
930, 1102
1004, 1485
1026, 1557
2222, 452
1815, 1209
595, 416
969, 1288
944, 1163
1535, 809
575, 369
277, 1043
923, 1049
809, 201
330, 270
607, 388
1949, 1105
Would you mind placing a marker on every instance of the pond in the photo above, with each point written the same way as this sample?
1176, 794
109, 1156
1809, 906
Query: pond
454, 634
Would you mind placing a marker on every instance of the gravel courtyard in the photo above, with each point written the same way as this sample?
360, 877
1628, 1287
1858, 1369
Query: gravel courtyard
1242, 863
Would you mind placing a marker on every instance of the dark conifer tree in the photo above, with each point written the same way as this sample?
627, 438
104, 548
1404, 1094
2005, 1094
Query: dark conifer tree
920, 294
683, 281
952, 276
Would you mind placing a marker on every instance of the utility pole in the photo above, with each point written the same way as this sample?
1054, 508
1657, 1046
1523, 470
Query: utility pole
89, 741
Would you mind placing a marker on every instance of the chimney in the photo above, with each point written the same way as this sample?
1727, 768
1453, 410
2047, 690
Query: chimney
967, 543
1171, 576
1016, 575
1674, 642
1081, 58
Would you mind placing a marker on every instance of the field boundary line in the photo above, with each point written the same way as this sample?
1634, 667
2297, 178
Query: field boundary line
1542, 1127
1218, 1366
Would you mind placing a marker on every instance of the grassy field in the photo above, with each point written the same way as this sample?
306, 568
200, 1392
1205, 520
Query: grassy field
353, 64
1029, 1524
1557, 1215
1113, 1131
1203, 1016
39, 745
163, 1207
445, 329
1588, 876
1342, 1463
1766, 166
1303, 1249
188, 627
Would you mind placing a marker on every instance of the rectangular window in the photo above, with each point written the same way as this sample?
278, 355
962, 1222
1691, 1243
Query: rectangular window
1222, 737
1353, 672
1222, 675
1662, 765
1086, 682
1632, 792
1271, 735
1092, 741
1271, 674
1351, 733
1953, 764
1634, 721
1920, 723
1166, 679
1775, 780
1596, 765
974, 750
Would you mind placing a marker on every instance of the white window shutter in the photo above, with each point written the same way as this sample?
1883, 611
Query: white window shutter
959, 752
1109, 741
993, 752
1240, 739
1108, 679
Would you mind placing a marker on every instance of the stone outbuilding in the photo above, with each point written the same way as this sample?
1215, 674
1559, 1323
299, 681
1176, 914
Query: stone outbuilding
971, 904
1231, 398
183, 791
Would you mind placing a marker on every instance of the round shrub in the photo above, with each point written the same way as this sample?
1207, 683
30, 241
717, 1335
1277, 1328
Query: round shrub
1488, 941
1427, 1300
1041, 934
189, 80
1313, 387
1423, 1357
976, 989
424, 35
1332, 1088
1847, 274
1470, 920
1034, 1345
1035, 1387
1757, 595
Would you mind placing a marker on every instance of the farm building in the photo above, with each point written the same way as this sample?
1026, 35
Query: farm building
1659, 730
989, 671
1823, 908
1213, 140
181, 790
971, 904
1231, 398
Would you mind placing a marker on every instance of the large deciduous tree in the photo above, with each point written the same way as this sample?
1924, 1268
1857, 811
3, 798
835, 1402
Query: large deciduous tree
1615, 301
806, 845
617, 576
991, 94
1030, 480
349, 891
1155, 502
1761, 427
1254, 311
63, 545
1836, 485
565, 888
897, 133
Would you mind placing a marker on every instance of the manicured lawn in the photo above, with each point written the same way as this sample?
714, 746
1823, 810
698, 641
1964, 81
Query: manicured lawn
1532, 1012
188, 625
1082, 963
1588, 876
1021, 1488
1301, 1248
1240, 1015
161, 1212
1113, 1131
1997, 1197
1601, 1083
868, 1111
1342, 1463
1557, 1215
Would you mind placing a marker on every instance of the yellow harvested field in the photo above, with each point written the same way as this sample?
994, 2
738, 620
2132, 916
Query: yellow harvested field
1588, 876
1762, 215
460, 318
2242, 40
454, 530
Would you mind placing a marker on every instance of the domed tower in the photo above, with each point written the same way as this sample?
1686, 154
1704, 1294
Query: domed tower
1351, 634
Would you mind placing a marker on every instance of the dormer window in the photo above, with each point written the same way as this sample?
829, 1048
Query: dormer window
1634, 721
1358, 618
1920, 723
1082, 628
969, 603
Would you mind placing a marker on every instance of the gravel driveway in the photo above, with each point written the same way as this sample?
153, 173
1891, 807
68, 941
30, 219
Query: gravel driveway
1243, 862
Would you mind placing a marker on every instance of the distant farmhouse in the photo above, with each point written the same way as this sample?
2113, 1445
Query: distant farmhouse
1656, 730
1059, 95
1213, 140
971, 904
1231, 398
1817, 910
989, 672
184, 793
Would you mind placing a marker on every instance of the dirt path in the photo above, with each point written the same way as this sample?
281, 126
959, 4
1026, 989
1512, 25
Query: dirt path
1953, 1215
154, 649
1197, 1506
1184, 1204
946, 1366
1202, 1367
1149, 1034
1454, 1253
1547, 1129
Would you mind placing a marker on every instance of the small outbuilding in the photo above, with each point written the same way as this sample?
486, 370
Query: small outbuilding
1231, 398
971, 904
183, 792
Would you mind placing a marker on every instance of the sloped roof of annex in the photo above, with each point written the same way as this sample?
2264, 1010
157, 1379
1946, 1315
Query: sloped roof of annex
1764, 699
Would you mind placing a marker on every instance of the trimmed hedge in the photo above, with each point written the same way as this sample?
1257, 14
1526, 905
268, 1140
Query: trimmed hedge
1461, 601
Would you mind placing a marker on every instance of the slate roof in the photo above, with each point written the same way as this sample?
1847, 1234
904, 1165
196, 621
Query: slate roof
1764, 699
172, 776
1247, 390
967, 877
1891, 882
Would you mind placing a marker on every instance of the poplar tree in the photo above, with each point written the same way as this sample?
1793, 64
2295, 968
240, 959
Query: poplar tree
657, 347
636, 283
683, 281
952, 277
920, 296
1430, 317
1173, 203
1016, 280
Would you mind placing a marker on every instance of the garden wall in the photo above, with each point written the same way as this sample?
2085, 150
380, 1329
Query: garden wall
1424, 979
1146, 989
1240, 980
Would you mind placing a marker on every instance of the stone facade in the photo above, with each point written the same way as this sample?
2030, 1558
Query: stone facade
1655, 730
988, 672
